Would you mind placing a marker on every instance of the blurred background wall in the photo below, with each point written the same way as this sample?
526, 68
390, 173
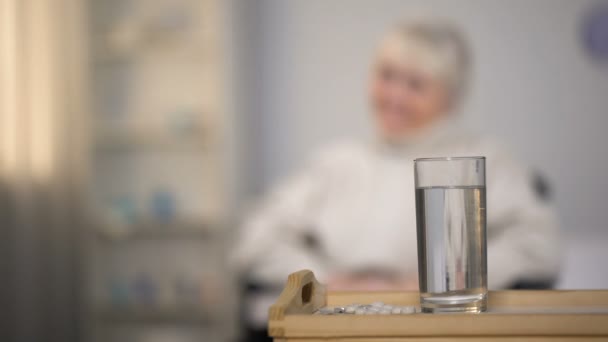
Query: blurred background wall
535, 87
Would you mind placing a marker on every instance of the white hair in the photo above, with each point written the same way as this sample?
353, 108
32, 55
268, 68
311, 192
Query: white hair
437, 46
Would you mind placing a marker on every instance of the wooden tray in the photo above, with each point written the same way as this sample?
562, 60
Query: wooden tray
512, 316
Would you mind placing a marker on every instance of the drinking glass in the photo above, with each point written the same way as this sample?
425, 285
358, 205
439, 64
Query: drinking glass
451, 232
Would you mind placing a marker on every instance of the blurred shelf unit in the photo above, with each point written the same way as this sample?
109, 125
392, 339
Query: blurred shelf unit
159, 231
158, 166
156, 315
129, 28
108, 56
121, 140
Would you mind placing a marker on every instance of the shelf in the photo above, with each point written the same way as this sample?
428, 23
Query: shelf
169, 49
122, 141
156, 231
154, 315
168, 56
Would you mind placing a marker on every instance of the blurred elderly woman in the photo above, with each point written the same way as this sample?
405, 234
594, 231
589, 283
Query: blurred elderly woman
350, 215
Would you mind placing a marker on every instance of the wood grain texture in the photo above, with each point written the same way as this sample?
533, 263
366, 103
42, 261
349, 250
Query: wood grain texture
452, 339
429, 325
496, 299
302, 294
513, 316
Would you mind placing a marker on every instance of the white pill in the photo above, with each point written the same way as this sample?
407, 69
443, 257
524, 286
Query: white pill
408, 310
377, 304
350, 309
388, 307
326, 311
385, 312
360, 311
396, 310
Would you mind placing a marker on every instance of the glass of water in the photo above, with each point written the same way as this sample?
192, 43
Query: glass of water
451, 228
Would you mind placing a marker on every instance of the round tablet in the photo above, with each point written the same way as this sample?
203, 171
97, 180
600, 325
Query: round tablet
326, 311
408, 310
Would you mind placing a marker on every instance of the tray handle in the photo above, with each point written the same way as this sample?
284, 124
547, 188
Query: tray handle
302, 294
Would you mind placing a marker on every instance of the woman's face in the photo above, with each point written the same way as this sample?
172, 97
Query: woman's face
405, 99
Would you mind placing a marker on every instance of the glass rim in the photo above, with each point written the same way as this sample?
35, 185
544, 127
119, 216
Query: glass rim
449, 158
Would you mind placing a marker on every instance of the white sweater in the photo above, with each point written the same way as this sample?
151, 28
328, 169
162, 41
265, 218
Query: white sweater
357, 202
